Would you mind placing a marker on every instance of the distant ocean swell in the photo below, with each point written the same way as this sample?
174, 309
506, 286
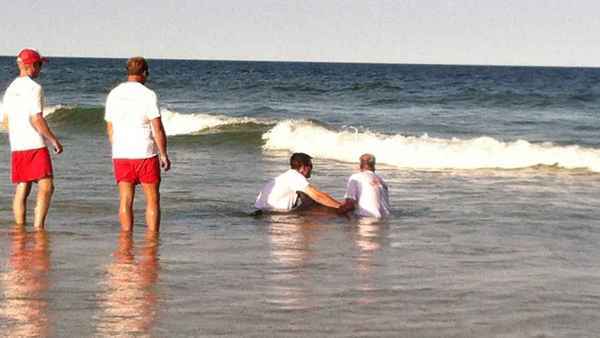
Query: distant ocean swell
348, 144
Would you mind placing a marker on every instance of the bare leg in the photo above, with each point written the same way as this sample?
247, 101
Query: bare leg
22, 191
126, 194
151, 190
44, 195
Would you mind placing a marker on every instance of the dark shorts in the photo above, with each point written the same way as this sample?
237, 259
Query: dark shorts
136, 171
304, 202
30, 165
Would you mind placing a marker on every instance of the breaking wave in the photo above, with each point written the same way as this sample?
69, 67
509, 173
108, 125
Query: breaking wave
424, 152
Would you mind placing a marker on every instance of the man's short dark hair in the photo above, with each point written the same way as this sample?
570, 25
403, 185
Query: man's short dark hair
137, 66
300, 159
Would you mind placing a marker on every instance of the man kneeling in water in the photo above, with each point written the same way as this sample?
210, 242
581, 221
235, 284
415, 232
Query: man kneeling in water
291, 190
367, 194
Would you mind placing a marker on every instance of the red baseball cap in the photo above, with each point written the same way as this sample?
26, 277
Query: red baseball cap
30, 56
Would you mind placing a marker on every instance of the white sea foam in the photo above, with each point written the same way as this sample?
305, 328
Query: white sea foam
425, 152
183, 124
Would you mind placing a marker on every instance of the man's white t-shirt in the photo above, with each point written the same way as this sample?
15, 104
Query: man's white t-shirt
280, 194
130, 107
23, 99
371, 194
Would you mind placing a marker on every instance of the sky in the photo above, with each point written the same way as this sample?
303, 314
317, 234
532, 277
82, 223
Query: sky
483, 32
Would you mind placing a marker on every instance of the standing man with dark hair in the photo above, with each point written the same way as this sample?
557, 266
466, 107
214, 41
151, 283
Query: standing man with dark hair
283, 193
23, 109
139, 143
367, 193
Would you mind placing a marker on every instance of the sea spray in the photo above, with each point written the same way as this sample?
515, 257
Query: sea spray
424, 152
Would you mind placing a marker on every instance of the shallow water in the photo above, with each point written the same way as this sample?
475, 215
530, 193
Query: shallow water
511, 255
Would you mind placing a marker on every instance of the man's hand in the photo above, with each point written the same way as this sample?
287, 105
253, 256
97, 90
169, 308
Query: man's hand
347, 206
165, 163
58, 148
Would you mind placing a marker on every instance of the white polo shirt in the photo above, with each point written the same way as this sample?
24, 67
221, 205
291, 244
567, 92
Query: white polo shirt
23, 99
371, 194
130, 107
280, 194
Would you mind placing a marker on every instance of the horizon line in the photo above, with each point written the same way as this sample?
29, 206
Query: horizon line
324, 62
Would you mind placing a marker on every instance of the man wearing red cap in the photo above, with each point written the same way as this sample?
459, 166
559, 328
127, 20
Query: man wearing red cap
23, 107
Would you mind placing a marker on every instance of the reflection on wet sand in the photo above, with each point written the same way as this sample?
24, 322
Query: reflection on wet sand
24, 310
291, 239
129, 301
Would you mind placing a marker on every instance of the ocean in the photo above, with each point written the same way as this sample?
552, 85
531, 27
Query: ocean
494, 175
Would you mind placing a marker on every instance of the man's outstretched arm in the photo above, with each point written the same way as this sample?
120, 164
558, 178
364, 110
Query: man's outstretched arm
322, 197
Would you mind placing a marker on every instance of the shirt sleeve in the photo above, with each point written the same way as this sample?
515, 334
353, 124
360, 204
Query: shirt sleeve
352, 189
299, 183
37, 101
153, 111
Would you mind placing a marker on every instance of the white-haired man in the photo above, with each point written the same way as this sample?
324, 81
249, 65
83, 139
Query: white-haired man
367, 194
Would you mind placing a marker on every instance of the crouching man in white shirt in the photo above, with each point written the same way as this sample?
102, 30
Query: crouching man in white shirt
367, 193
288, 191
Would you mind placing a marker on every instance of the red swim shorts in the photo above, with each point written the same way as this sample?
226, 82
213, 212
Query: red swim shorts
30, 165
143, 170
